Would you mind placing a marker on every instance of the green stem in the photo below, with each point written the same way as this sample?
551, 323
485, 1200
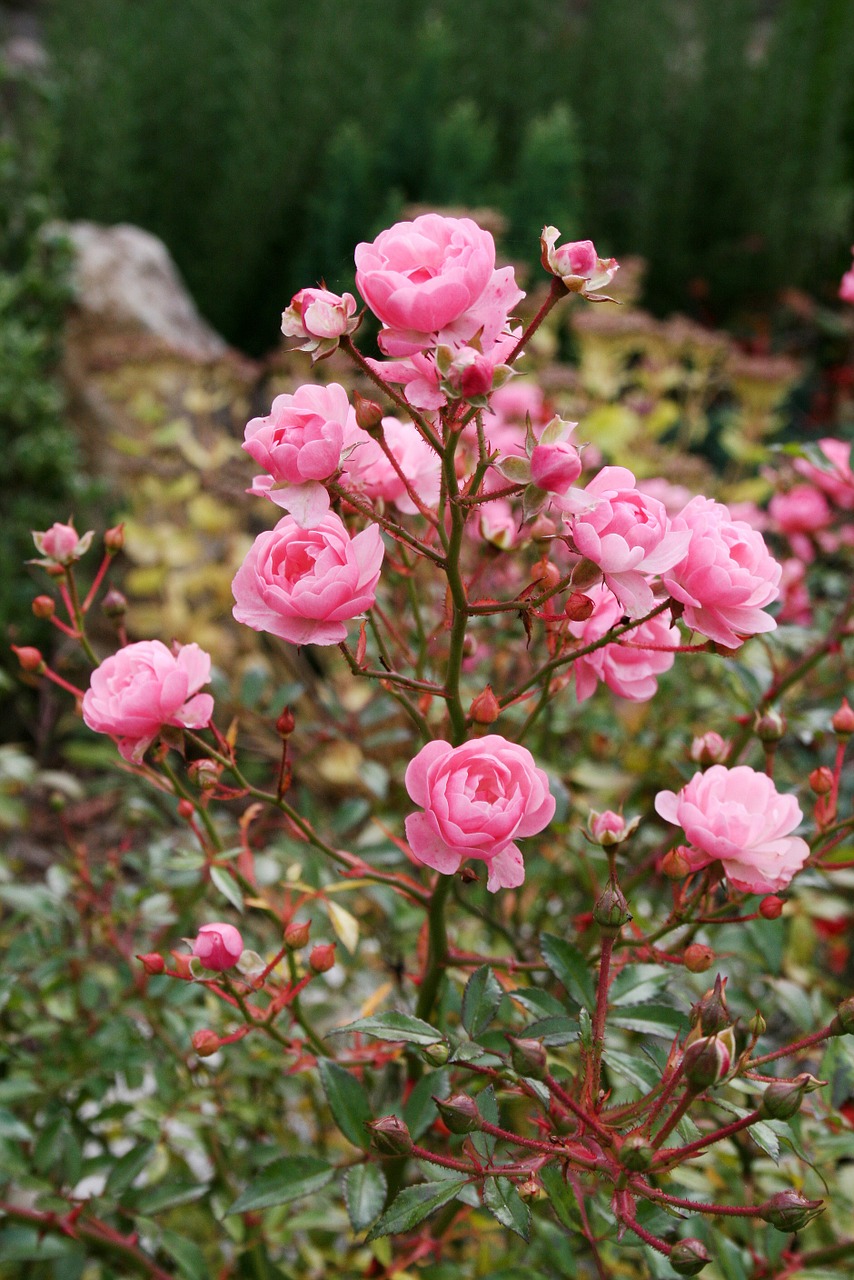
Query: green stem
437, 948
78, 618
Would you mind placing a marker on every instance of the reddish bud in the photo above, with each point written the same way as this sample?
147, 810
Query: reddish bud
771, 908
611, 911
710, 1011
578, 607
114, 604
285, 723
206, 1042
548, 575
29, 658
182, 964
484, 708
770, 726
114, 539
821, 780
205, 773
697, 958
709, 748
707, 1060
842, 1023
843, 720
789, 1210
296, 934
689, 1256
44, 607
218, 946
390, 1136
186, 809
782, 1099
152, 963
675, 864
459, 1113
322, 957
369, 414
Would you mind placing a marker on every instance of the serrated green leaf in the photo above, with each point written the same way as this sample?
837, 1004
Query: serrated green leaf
553, 1032
347, 1100
125, 1170
504, 1203
562, 1200
364, 1194
542, 1004
282, 1181
165, 1195
227, 886
637, 983
650, 1020
12, 1127
570, 968
639, 1072
414, 1205
487, 1105
189, 1257
481, 999
393, 1026
419, 1110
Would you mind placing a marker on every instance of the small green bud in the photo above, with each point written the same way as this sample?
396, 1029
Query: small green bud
436, 1054
612, 911
636, 1154
790, 1211
757, 1025
711, 1010
689, 1256
707, 1060
390, 1136
770, 726
459, 1113
843, 1023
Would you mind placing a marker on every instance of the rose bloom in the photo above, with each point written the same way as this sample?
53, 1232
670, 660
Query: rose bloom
145, 686
737, 816
302, 436
835, 476
627, 535
576, 263
367, 470
627, 669
218, 946
726, 577
317, 313
802, 511
303, 585
61, 544
477, 800
846, 284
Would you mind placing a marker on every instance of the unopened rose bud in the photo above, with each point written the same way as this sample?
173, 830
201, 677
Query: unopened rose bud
689, 1256
842, 1023
710, 748
675, 864
821, 780
61, 546
44, 607
322, 957
611, 911
782, 1100
636, 1154
697, 957
390, 1136
770, 726
29, 658
578, 607
711, 1012
186, 810
206, 1042
114, 539
757, 1026
530, 1189
436, 1054
609, 828
528, 1056
790, 1211
548, 575
184, 965
843, 720
285, 723
152, 963
218, 946
114, 604
459, 1113
296, 934
484, 708
708, 1060
542, 529
771, 908
205, 773
369, 414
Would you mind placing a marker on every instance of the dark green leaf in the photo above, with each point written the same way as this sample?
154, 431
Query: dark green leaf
190, 1259
364, 1194
347, 1100
282, 1181
504, 1202
394, 1026
481, 999
562, 1200
538, 1002
637, 983
419, 1110
553, 1031
637, 1070
414, 1205
166, 1195
124, 1171
570, 968
484, 1143
650, 1019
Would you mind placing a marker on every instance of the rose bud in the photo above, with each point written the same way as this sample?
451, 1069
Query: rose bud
697, 958
782, 1099
114, 539
459, 1113
789, 1210
484, 708
636, 1154
757, 1026
708, 1060
205, 773
609, 828
61, 545
44, 607
711, 1010
842, 1023
710, 748
285, 723
436, 1054
114, 604
689, 1256
29, 658
578, 607
322, 957
675, 864
770, 726
296, 934
528, 1057
206, 1042
843, 720
369, 414
611, 911
390, 1136
821, 780
218, 946
771, 908
152, 963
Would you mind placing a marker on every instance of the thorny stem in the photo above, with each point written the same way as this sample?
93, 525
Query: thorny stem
99, 1235
678, 1154
421, 423
557, 291
437, 948
78, 618
395, 530
600, 1017
816, 1038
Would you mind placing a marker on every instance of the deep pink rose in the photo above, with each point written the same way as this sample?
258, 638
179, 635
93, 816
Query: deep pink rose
628, 535
366, 468
727, 576
305, 584
218, 946
477, 799
61, 544
556, 466
627, 668
802, 511
738, 816
143, 687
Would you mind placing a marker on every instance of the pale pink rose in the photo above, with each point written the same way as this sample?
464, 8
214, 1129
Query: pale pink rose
218, 946
577, 264
673, 497
834, 476
727, 576
796, 604
433, 276
477, 800
304, 585
61, 544
627, 668
145, 686
737, 816
367, 470
299, 444
628, 535
498, 524
709, 748
609, 828
321, 317
802, 511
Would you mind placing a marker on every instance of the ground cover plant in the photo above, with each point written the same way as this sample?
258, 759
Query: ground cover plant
496, 925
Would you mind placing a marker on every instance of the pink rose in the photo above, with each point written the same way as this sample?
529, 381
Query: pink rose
726, 577
303, 585
366, 468
321, 317
626, 667
738, 816
61, 544
299, 444
577, 264
802, 511
796, 604
145, 686
218, 946
834, 475
846, 284
628, 535
556, 463
477, 799
498, 524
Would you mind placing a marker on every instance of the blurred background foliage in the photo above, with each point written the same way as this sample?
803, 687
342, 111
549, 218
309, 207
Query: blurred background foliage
261, 141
